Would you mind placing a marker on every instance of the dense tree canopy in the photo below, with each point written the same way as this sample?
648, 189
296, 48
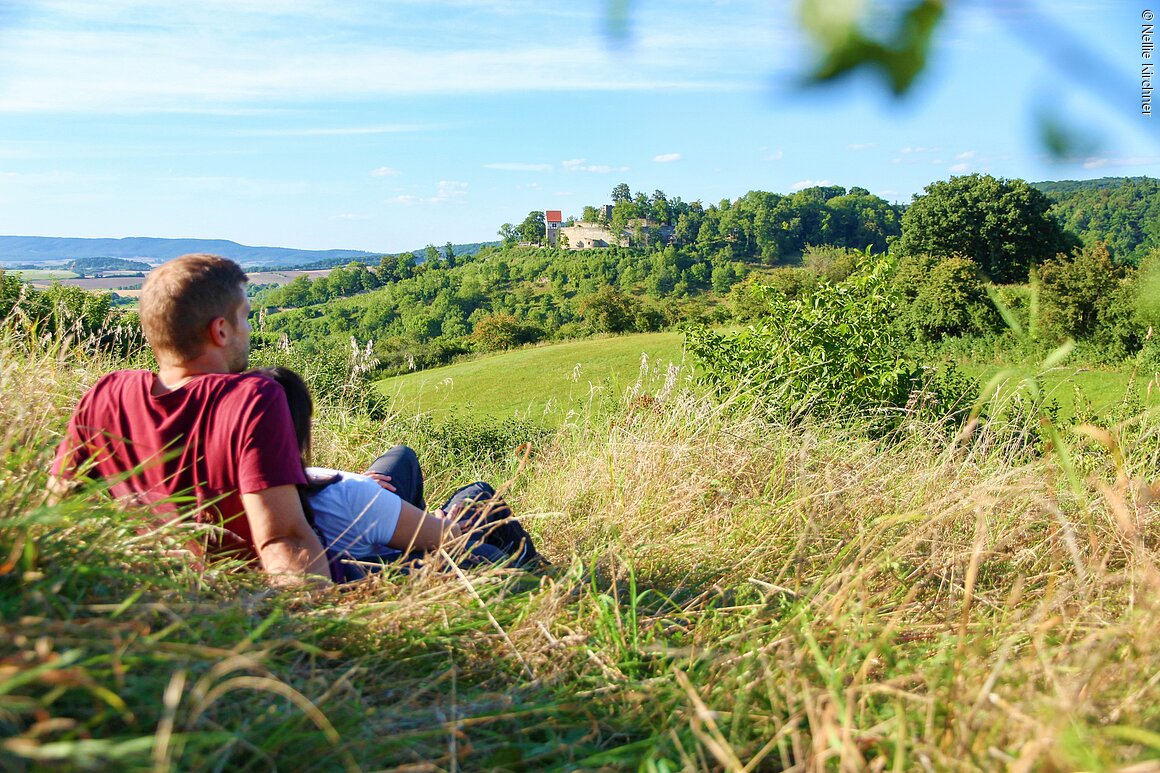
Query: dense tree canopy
760, 226
533, 228
1124, 213
1003, 225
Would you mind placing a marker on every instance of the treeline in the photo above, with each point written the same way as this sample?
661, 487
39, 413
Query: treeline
973, 243
469, 248
762, 227
958, 242
91, 319
84, 266
423, 315
958, 245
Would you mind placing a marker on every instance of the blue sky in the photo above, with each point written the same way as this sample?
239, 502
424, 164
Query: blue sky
388, 125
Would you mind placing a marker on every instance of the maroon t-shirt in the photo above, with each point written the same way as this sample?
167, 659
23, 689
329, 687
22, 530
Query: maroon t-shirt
217, 437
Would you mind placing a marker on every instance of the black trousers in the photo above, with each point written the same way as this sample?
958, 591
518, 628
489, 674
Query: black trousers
402, 464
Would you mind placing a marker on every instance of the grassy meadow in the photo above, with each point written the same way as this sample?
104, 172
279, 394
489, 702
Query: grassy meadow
724, 594
547, 383
43, 275
1079, 390
552, 383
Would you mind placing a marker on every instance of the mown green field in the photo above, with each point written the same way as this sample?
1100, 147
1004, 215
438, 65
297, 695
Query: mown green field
1079, 388
542, 383
548, 383
43, 275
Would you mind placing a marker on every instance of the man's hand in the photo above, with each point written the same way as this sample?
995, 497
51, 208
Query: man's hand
382, 480
58, 489
287, 547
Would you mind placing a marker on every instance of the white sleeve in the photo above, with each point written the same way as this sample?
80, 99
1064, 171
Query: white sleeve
355, 514
373, 511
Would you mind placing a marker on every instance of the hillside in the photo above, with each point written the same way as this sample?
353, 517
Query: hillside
543, 383
38, 251
725, 593
735, 583
1123, 213
1062, 188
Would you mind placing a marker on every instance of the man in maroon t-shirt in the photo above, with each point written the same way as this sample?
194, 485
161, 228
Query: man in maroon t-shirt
198, 435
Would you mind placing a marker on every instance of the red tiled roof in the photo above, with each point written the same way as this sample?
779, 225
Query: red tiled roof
553, 216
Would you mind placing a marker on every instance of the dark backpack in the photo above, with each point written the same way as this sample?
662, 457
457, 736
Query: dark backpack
487, 519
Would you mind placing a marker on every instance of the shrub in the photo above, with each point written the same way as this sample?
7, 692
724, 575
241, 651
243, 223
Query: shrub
830, 262
944, 297
609, 311
832, 353
1076, 290
503, 331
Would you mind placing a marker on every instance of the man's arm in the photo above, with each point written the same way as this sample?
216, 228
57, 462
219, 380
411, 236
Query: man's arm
287, 547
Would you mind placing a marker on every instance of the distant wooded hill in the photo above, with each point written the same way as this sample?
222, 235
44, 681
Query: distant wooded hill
102, 254
1122, 212
45, 249
90, 265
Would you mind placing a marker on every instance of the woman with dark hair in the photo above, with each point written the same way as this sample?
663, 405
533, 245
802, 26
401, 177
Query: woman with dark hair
366, 519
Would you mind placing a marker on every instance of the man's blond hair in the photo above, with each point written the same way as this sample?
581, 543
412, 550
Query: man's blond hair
181, 297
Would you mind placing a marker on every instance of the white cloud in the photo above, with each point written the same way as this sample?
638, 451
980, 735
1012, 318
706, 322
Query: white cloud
860, 145
336, 131
132, 56
966, 155
1099, 162
957, 168
667, 158
803, 184
385, 171
518, 167
447, 190
580, 165
774, 156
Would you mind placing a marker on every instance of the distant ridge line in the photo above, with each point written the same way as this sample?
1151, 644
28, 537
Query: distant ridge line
17, 249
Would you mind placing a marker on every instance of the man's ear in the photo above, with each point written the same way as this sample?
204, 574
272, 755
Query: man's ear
218, 334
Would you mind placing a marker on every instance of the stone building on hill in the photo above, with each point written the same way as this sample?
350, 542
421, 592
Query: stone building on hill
553, 219
586, 236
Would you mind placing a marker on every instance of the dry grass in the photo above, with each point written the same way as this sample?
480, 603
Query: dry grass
725, 595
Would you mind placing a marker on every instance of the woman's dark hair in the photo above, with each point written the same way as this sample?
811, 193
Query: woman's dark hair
301, 405
301, 415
